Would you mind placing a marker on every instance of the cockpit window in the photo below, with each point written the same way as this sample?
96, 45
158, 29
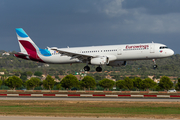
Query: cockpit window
163, 47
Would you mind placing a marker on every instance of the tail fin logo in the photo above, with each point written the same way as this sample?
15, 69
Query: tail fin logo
27, 46
21, 32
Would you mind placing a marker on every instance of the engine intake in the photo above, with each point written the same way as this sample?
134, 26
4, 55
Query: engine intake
99, 61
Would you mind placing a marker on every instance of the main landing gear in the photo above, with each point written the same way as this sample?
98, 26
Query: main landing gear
154, 66
87, 68
98, 69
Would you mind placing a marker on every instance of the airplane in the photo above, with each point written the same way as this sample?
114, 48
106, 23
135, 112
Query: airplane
109, 55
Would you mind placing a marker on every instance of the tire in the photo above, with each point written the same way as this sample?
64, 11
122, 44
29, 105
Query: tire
155, 66
86, 68
98, 69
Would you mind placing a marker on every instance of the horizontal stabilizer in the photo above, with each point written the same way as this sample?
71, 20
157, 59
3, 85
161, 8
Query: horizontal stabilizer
21, 54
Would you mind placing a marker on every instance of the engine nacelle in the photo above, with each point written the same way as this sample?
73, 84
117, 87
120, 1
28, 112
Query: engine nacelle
99, 61
117, 63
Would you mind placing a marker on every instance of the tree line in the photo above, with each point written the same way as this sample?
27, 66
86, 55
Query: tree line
70, 82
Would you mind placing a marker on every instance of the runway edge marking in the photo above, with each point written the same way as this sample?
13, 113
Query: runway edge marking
88, 95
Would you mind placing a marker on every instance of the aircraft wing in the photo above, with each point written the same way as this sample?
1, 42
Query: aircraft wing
73, 55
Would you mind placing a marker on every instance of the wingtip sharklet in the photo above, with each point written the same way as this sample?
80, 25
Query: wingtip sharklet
21, 32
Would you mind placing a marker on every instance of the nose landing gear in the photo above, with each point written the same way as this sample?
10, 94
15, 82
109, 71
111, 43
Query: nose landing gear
154, 66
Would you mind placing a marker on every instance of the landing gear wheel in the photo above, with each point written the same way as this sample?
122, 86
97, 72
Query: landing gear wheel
86, 68
155, 66
99, 69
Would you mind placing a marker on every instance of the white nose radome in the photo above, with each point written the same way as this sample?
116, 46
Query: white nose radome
171, 52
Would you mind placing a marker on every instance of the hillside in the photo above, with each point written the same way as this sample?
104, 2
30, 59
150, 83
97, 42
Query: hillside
167, 66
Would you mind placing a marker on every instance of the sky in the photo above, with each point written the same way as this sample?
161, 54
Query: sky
76, 23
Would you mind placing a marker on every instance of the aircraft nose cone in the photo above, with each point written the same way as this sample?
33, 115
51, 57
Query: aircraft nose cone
171, 52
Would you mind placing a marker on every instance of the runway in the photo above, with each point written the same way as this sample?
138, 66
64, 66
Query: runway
94, 99
68, 118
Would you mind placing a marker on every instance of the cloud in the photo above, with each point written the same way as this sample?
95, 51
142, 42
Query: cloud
156, 7
89, 22
112, 8
136, 19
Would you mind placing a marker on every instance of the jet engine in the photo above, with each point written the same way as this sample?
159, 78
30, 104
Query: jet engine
99, 61
117, 63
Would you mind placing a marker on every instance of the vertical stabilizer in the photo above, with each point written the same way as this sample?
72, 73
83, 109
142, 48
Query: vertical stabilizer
27, 46
25, 42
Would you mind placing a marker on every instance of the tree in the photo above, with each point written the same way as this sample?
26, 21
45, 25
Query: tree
23, 76
88, 82
69, 81
178, 85
32, 83
16, 72
121, 84
13, 82
147, 83
128, 83
29, 84
57, 77
106, 83
61, 72
117, 77
0, 83
48, 83
29, 73
98, 76
37, 73
165, 83
58, 86
137, 82
3, 77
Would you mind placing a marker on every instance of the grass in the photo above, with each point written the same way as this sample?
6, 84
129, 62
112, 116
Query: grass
91, 108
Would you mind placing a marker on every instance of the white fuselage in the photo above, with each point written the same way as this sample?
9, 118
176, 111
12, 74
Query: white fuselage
124, 52
111, 55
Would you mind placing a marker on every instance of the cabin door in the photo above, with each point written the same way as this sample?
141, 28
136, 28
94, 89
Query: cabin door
119, 51
152, 47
